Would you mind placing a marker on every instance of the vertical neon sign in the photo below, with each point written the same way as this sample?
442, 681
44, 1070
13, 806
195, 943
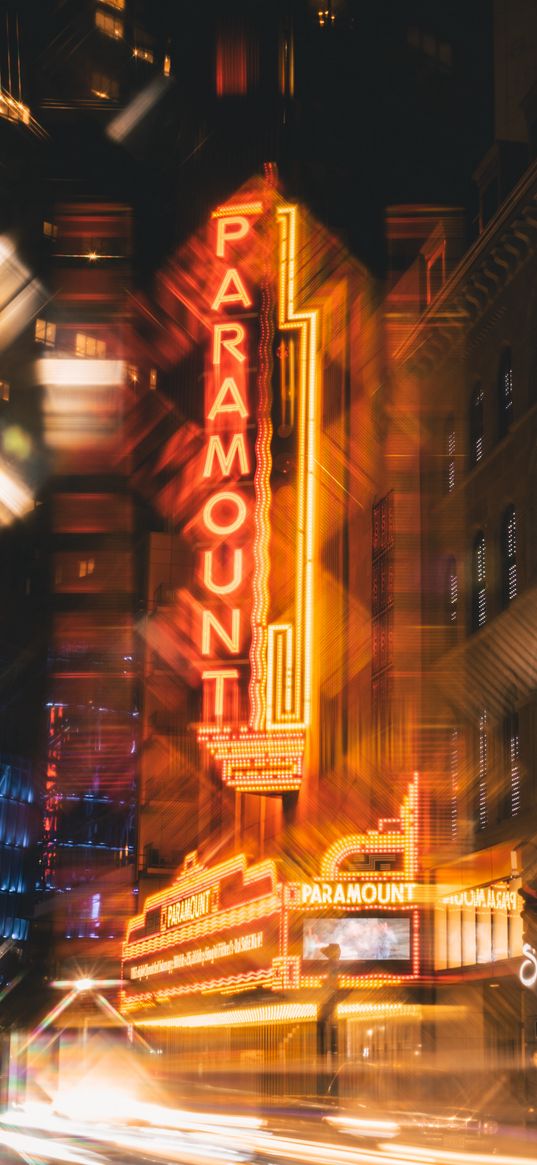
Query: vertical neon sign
260, 748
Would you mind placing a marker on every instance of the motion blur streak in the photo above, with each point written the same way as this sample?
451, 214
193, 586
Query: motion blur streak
365, 1127
432, 1156
15, 497
20, 295
122, 125
46, 1149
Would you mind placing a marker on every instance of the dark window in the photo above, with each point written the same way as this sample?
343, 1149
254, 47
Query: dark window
505, 392
479, 583
477, 425
509, 571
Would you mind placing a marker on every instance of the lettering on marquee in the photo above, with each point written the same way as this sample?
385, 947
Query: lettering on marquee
356, 893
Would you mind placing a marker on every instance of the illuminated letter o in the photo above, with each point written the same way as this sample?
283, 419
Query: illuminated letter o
230, 527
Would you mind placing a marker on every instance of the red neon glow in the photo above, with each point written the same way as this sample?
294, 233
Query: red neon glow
235, 404
231, 639
224, 528
235, 334
222, 588
216, 452
233, 228
231, 290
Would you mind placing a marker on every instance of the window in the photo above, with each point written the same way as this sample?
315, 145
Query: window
89, 346
454, 767
236, 63
143, 55
452, 591
45, 333
107, 88
153, 378
482, 797
110, 25
132, 373
477, 421
450, 454
505, 392
511, 803
479, 583
50, 231
509, 572
4, 390
86, 566
167, 65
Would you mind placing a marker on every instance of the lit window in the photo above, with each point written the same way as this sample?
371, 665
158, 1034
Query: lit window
107, 88
110, 25
452, 591
144, 55
479, 583
236, 63
167, 65
45, 333
86, 566
450, 454
89, 346
4, 389
512, 750
505, 392
132, 374
153, 378
477, 425
50, 230
325, 16
454, 766
482, 808
509, 556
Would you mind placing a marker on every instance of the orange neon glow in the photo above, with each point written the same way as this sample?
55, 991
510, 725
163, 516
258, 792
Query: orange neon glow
234, 336
219, 675
403, 841
228, 498
216, 452
231, 640
231, 290
235, 404
250, 208
263, 900
231, 228
226, 588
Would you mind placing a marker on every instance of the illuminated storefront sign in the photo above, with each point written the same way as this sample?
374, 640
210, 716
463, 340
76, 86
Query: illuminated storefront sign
478, 925
356, 893
484, 898
528, 967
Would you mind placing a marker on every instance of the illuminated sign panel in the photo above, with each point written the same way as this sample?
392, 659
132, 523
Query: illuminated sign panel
235, 927
371, 938
485, 898
251, 601
356, 893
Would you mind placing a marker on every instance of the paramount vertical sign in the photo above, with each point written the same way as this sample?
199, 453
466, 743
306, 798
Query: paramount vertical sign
254, 647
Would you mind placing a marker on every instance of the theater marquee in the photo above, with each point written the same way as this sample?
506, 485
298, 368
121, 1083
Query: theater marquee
234, 927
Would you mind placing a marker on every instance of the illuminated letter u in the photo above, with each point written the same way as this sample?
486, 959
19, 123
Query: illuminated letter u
222, 588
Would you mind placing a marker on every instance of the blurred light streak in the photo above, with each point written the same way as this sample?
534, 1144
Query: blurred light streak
45, 1148
271, 1013
417, 1155
364, 1127
55, 372
121, 126
16, 499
